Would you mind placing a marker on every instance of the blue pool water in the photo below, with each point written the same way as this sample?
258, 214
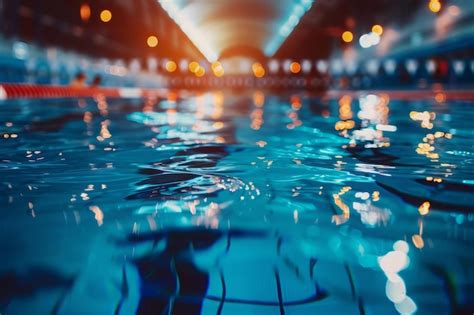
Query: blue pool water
237, 203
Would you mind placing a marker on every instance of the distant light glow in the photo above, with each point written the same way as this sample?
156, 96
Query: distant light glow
295, 67
322, 66
364, 41
193, 66
200, 72
454, 10
434, 6
105, 16
192, 32
377, 29
152, 41
296, 13
369, 40
217, 68
20, 50
306, 66
171, 66
424, 209
347, 36
85, 12
273, 66
258, 70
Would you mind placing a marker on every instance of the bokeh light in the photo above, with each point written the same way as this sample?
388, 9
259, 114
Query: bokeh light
200, 72
193, 66
105, 16
434, 6
258, 70
85, 12
217, 68
152, 41
295, 67
171, 66
377, 29
347, 36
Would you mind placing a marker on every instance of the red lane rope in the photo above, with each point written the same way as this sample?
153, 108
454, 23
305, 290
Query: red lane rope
15, 91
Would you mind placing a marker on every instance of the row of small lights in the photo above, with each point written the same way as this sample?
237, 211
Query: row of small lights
218, 70
373, 38
366, 40
85, 13
106, 16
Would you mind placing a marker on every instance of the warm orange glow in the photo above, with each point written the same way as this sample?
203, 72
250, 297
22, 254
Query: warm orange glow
217, 69
295, 67
171, 66
347, 36
215, 65
85, 12
152, 41
418, 241
258, 70
424, 209
200, 72
440, 97
98, 214
105, 16
259, 98
377, 29
193, 66
434, 6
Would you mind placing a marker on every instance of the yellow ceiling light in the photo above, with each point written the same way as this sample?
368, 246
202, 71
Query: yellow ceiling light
295, 67
171, 66
377, 29
85, 12
152, 41
434, 6
347, 36
193, 66
105, 16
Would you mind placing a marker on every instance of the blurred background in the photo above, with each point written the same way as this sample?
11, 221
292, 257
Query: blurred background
303, 44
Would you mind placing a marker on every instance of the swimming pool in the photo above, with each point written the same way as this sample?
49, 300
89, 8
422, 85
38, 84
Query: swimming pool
237, 203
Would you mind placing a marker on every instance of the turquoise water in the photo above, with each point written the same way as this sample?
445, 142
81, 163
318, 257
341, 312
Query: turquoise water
237, 203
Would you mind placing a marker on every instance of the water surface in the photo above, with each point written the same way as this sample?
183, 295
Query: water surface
236, 203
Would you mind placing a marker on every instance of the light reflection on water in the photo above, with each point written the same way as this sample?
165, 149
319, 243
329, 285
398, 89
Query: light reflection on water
270, 184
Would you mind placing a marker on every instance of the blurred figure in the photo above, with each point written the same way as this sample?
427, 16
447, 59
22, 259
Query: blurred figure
96, 81
79, 80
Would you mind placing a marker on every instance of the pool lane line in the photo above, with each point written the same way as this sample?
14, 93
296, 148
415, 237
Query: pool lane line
35, 91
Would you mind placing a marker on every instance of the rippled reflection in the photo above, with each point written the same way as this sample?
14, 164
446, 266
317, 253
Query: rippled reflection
247, 202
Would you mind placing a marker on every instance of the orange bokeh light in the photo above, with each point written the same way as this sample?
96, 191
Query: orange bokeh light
258, 70
347, 36
295, 67
171, 66
193, 66
200, 72
434, 6
105, 16
85, 12
377, 29
152, 41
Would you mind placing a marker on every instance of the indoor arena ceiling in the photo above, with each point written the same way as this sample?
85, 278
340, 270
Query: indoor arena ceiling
216, 26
